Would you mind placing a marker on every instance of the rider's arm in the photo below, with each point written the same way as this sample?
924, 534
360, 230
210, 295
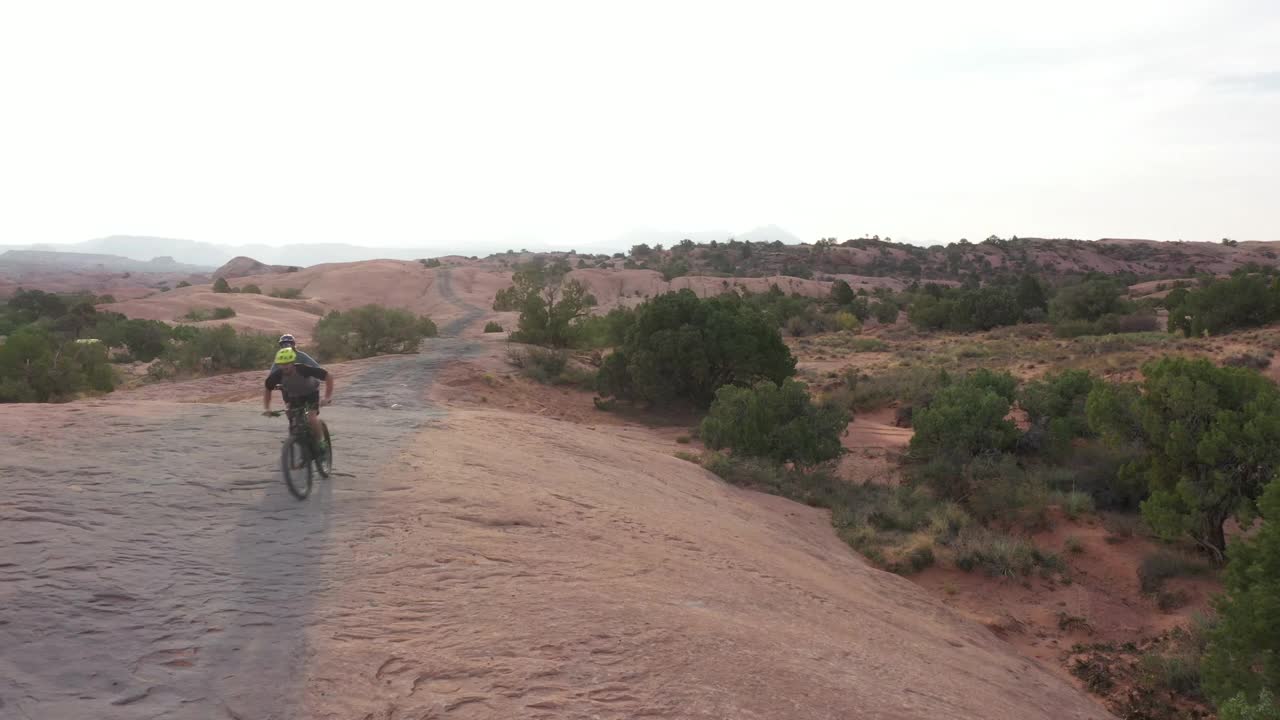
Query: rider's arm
273, 381
306, 359
328, 387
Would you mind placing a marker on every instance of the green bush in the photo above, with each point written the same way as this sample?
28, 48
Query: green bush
1055, 407
371, 330
1212, 440
885, 312
431, 262
251, 289
1243, 653
1237, 302
602, 331
39, 366
1089, 300
219, 348
201, 315
1239, 707
287, 293
966, 419
183, 283
221, 286
682, 347
776, 422
492, 327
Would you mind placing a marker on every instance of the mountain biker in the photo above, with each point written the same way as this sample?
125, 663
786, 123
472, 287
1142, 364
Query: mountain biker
287, 341
301, 387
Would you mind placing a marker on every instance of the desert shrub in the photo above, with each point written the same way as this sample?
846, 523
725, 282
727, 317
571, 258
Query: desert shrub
202, 314
219, 348
1248, 360
602, 331
914, 386
251, 289
287, 293
1212, 440
492, 327
183, 283
841, 293
1055, 406
847, 322
38, 366
964, 309
995, 488
221, 286
885, 312
430, 262
774, 421
550, 366
1243, 652
1000, 555
1073, 546
1240, 707
1102, 471
1073, 504
1090, 300
1175, 672
371, 330
680, 346
1161, 565
1121, 526
1221, 305
966, 418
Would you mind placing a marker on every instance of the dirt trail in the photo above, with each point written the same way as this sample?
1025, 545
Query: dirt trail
461, 564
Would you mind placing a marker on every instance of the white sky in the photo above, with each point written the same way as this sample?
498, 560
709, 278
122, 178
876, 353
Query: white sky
554, 124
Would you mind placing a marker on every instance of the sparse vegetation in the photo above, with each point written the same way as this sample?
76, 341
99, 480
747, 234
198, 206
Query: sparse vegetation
221, 286
1162, 565
492, 327
251, 289
287, 293
550, 366
206, 314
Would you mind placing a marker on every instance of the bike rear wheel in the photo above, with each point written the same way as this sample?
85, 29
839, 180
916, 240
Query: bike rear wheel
295, 464
324, 465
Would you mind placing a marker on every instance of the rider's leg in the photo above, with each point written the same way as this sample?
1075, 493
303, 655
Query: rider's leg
317, 429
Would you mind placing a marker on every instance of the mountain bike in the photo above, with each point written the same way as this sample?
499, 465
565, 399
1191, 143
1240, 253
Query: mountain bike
299, 453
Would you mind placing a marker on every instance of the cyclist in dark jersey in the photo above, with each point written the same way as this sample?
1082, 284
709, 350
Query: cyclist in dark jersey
301, 387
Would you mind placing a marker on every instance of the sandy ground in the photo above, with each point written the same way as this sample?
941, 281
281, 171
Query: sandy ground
463, 562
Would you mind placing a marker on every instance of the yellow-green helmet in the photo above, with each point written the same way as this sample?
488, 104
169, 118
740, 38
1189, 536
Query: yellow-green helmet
286, 356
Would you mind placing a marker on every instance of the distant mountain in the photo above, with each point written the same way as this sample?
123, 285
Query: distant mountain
211, 255
17, 261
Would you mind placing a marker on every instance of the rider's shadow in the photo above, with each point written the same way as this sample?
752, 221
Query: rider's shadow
277, 564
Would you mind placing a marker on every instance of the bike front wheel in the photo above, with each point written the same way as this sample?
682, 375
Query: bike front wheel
295, 464
324, 463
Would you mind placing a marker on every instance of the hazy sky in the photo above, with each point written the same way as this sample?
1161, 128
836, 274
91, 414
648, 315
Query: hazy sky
483, 124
